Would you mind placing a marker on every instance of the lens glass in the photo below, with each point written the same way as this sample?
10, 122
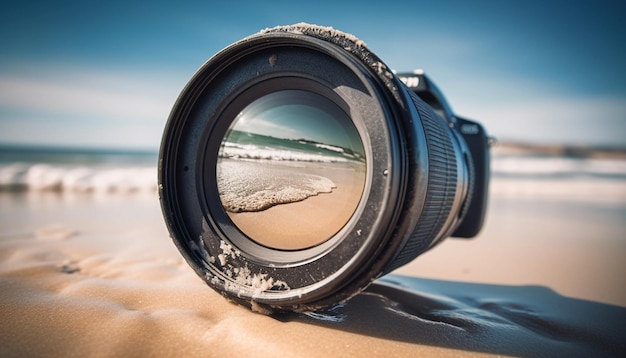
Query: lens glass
291, 170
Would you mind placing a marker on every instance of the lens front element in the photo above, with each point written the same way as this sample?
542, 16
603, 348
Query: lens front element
291, 170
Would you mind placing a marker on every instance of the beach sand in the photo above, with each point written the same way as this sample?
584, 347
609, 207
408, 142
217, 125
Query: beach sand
311, 221
98, 275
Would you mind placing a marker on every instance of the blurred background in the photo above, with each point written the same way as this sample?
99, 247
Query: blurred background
84, 82
105, 74
86, 88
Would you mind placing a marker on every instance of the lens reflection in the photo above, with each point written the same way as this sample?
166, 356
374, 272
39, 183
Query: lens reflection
291, 170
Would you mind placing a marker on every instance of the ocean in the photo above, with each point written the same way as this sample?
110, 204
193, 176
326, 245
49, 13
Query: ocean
245, 145
535, 174
256, 172
514, 174
77, 170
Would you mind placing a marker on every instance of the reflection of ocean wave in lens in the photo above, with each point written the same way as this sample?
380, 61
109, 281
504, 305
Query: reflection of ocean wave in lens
244, 145
270, 186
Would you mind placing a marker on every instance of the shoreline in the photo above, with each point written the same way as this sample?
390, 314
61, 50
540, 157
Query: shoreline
312, 220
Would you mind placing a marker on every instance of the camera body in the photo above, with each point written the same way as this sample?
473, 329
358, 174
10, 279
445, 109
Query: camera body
296, 168
477, 143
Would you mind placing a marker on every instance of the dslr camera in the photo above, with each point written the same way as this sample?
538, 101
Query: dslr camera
296, 168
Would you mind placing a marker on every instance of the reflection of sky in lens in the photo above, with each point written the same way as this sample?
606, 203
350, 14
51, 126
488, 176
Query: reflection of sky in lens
299, 115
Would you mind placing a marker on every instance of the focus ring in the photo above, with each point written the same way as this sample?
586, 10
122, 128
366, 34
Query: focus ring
442, 185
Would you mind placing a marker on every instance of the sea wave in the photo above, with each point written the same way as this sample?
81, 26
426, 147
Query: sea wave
248, 187
548, 177
48, 177
589, 190
254, 152
557, 167
588, 179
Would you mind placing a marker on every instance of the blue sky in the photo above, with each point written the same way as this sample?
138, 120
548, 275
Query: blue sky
106, 73
299, 115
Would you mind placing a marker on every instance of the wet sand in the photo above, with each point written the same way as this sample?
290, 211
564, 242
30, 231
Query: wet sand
85, 275
311, 221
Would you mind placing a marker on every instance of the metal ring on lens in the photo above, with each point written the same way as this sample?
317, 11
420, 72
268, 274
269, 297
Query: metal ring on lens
291, 170
260, 88
208, 239
411, 172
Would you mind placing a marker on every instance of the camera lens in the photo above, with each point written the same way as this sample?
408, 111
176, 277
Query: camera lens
296, 168
291, 170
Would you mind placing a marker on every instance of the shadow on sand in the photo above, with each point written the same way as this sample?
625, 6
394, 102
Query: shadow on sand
497, 319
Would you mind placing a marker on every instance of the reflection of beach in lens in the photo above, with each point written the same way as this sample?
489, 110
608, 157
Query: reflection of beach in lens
245, 145
291, 170
249, 186
287, 205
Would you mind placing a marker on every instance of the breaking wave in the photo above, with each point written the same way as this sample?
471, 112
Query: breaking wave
48, 177
271, 185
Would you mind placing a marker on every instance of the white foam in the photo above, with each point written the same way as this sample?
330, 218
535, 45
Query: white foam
249, 151
599, 190
522, 165
330, 147
559, 178
47, 177
249, 186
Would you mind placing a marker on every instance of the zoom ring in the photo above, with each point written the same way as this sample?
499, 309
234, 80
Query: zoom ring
442, 185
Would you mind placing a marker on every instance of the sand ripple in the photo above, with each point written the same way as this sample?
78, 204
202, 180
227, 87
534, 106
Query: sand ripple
110, 291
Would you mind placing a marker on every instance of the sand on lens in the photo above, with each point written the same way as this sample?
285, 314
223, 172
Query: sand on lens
88, 275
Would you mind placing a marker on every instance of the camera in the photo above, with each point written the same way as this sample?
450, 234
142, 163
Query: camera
296, 168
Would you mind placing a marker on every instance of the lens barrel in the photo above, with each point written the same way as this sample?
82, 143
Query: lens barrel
296, 168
